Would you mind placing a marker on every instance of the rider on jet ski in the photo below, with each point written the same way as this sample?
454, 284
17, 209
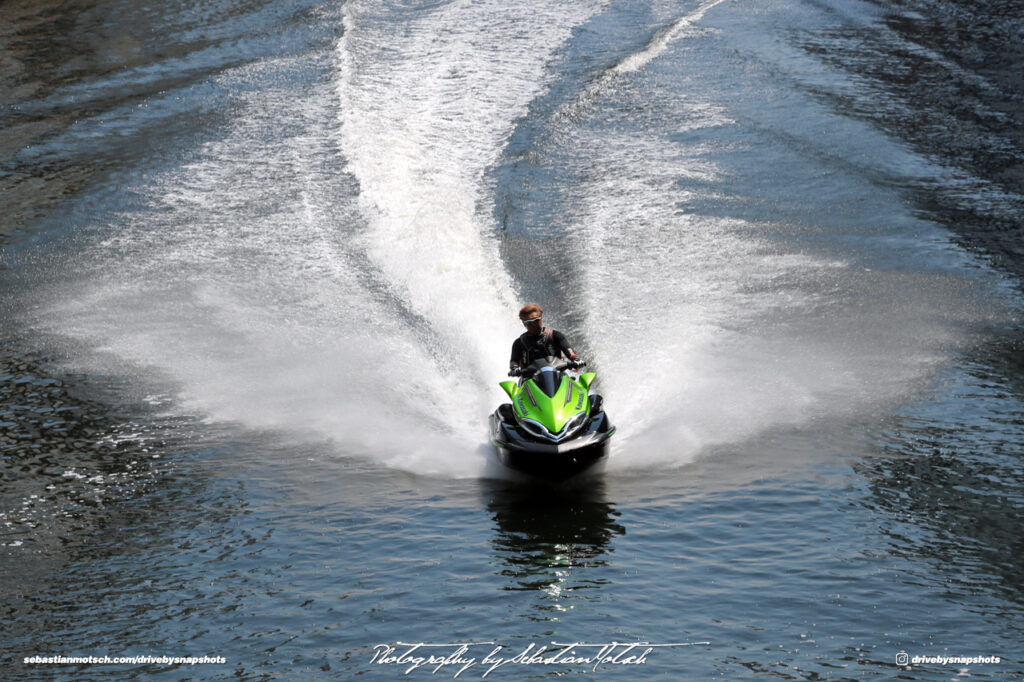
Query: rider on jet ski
553, 428
538, 342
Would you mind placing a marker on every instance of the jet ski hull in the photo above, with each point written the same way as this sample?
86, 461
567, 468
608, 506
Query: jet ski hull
547, 460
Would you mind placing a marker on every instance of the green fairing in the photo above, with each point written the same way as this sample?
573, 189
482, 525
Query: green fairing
511, 387
587, 378
554, 413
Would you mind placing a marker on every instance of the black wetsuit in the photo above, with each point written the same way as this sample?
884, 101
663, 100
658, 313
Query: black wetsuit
530, 347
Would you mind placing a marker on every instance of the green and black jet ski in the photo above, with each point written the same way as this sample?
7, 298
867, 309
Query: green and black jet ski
554, 428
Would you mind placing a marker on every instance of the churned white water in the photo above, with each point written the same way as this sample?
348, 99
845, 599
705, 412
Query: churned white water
330, 267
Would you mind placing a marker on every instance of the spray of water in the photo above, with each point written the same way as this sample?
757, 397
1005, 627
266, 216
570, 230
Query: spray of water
712, 329
329, 269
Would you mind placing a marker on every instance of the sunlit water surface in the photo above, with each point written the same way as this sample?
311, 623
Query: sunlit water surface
263, 284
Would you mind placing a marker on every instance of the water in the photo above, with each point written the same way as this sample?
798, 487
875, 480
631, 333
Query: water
260, 281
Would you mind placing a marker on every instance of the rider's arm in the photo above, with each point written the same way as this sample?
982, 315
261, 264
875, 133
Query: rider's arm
517, 353
563, 345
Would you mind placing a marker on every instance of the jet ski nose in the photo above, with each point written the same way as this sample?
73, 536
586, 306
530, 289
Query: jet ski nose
548, 379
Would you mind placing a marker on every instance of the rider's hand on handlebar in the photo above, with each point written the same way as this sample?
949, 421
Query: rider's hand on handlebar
515, 371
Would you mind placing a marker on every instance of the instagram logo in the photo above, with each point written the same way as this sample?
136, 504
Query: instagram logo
902, 658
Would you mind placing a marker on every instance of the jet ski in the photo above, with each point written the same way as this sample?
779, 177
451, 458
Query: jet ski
554, 428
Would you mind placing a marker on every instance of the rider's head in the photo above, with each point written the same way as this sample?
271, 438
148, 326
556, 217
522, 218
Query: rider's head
530, 315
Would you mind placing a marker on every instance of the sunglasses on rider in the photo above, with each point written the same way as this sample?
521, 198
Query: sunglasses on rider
531, 321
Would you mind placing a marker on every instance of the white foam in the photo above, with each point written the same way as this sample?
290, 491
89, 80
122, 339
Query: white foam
371, 309
661, 41
425, 111
706, 329
678, 29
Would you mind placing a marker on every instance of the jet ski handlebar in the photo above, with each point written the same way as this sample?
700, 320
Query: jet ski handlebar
530, 371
